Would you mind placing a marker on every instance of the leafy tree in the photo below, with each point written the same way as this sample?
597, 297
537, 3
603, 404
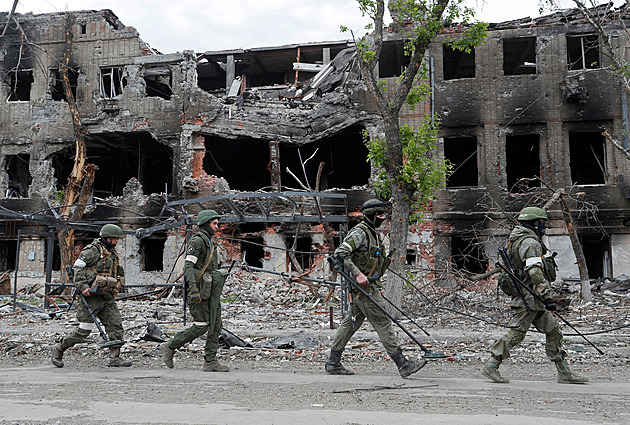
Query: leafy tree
409, 170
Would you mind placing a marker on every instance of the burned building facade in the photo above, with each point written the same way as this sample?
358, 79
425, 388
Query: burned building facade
164, 128
239, 130
524, 115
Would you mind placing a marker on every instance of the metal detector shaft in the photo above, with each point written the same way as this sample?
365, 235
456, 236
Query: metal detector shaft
376, 303
405, 314
89, 309
536, 296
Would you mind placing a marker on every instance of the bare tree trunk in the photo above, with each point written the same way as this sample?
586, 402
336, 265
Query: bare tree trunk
561, 196
80, 182
585, 285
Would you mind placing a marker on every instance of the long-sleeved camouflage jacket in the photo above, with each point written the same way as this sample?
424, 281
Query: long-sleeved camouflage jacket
362, 251
531, 258
96, 260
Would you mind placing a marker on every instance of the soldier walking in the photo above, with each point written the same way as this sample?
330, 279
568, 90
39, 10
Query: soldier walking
364, 256
204, 282
537, 269
98, 276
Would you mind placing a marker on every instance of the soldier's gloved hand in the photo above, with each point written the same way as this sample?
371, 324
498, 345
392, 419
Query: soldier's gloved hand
195, 296
88, 292
550, 304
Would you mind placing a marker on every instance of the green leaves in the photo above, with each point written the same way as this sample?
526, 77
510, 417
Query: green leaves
423, 170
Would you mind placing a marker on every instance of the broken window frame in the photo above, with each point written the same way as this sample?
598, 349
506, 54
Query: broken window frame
153, 86
587, 42
112, 81
520, 66
15, 81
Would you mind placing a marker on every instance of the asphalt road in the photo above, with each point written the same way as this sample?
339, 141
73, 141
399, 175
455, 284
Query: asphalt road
148, 395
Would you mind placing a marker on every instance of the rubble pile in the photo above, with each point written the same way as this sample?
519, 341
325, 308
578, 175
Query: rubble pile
280, 324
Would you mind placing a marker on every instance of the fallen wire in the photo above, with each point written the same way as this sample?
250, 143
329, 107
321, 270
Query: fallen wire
385, 387
490, 322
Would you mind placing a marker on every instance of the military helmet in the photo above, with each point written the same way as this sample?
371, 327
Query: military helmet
206, 216
532, 213
111, 231
375, 206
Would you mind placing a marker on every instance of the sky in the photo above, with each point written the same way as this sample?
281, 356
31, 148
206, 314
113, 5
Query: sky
202, 25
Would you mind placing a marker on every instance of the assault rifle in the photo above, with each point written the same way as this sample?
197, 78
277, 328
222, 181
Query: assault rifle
521, 285
509, 268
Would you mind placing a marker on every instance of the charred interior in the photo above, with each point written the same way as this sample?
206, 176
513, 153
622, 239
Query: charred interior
174, 133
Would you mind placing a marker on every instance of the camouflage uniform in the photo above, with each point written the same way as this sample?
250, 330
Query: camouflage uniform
96, 259
363, 252
206, 313
535, 268
529, 247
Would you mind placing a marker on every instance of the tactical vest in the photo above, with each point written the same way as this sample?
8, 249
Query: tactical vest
107, 264
549, 265
372, 259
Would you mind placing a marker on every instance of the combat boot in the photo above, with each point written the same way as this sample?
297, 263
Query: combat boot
167, 355
215, 366
115, 360
407, 367
565, 376
491, 370
56, 354
334, 366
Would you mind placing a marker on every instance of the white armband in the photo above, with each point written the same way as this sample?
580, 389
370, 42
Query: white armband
79, 263
191, 258
533, 261
86, 326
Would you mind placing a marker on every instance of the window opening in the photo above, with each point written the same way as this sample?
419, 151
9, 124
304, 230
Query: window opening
461, 152
410, 259
467, 254
56, 86
457, 63
83, 29
20, 83
8, 250
303, 250
152, 252
522, 155
17, 168
119, 157
253, 251
112, 82
393, 60
158, 82
56, 257
583, 52
587, 160
596, 250
519, 55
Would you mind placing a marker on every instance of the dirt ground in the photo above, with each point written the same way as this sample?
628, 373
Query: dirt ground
280, 378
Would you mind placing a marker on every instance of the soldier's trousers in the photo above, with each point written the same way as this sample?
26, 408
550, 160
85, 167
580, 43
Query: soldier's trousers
206, 318
108, 314
363, 308
543, 320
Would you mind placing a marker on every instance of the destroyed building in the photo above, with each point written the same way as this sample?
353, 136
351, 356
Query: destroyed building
273, 138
